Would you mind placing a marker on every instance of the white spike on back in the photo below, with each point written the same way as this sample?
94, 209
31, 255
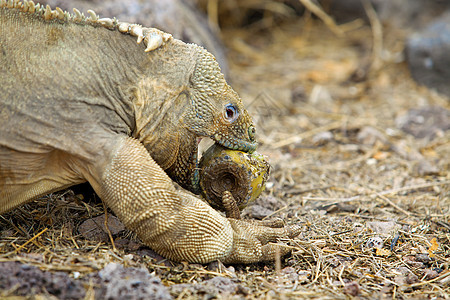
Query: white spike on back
153, 41
31, 7
136, 30
78, 16
92, 15
107, 23
14, 4
152, 37
47, 13
26, 6
123, 27
60, 13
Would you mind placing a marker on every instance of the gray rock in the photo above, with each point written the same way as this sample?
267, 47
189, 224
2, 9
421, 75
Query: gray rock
259, 212
428, 56
94, 229
425, 122
217, 287
323, 138
399, 13
369, 136
222, 284
26, 280
409, 14
130, 283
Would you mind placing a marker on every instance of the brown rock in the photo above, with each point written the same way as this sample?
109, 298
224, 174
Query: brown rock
94, 229
351, 288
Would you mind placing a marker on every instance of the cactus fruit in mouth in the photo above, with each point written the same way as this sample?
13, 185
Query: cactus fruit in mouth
231, 179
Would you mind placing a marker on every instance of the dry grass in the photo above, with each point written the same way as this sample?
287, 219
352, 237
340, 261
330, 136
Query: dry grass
350, 193
301, 80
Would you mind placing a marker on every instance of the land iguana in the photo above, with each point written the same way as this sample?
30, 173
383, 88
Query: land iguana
81, 101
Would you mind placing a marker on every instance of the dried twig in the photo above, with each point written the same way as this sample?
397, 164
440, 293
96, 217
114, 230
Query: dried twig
377, 35
318, 11
107, 227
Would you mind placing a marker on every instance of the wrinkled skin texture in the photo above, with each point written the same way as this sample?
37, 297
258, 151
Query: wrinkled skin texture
83, 103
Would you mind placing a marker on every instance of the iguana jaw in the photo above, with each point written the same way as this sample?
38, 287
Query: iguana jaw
234, 143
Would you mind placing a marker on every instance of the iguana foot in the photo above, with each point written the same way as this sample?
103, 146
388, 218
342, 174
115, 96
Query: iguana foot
252, 243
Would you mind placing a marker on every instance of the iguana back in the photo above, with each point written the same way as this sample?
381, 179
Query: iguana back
47, 82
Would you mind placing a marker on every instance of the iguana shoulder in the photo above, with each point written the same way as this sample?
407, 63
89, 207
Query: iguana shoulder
82, 101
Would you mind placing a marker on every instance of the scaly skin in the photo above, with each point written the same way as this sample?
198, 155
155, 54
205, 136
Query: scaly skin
81, 101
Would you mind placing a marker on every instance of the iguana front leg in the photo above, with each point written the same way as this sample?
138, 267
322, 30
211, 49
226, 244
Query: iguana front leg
174, 223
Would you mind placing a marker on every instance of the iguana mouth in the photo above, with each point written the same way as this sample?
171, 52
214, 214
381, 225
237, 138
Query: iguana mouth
234, 143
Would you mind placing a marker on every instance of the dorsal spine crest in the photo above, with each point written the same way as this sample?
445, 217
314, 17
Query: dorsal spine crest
153, 38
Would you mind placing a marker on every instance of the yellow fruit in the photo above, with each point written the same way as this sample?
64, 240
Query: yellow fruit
242, 174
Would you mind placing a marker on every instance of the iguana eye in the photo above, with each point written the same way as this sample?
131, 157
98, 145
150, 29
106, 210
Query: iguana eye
231, 113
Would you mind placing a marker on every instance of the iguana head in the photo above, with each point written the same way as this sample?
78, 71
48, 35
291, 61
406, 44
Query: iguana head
216, 111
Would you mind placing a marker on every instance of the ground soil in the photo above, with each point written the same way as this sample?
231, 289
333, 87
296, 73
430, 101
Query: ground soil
360, 158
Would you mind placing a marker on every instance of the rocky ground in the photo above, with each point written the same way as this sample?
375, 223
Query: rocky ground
360, 157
